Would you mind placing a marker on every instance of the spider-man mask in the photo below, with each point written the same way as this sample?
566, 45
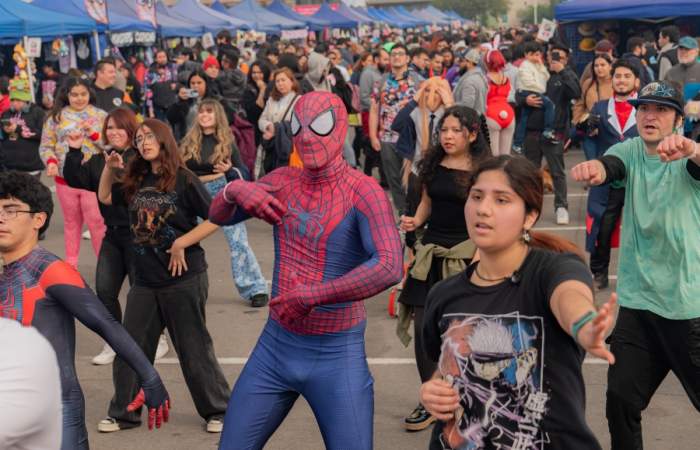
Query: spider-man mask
319, 125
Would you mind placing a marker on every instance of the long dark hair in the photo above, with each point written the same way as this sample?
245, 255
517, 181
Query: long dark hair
170, 161
264, 68
526, 180
471, 121
211, 90
604, 57
62, 97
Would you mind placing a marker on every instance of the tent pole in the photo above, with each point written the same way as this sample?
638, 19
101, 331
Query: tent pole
30, 75
97, 44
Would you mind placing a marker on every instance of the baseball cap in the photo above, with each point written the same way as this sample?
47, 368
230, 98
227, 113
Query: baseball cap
660, 93
211, 61
688, 42
473, 55
19, 90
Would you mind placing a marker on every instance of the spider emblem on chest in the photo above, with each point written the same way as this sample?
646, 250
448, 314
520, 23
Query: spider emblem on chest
304, 225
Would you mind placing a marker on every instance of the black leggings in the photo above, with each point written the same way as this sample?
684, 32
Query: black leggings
114, 263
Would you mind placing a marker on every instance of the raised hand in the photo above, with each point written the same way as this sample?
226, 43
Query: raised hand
676, 147
223, 166
154, 395
255, 199
114, 160
591, 172
592, 336
75, 140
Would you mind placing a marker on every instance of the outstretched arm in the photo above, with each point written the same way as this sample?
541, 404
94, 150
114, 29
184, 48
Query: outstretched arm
62, 282
379, 238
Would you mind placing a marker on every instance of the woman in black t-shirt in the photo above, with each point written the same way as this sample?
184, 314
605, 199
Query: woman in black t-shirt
164, 201
210, 152
510, 333
444, 248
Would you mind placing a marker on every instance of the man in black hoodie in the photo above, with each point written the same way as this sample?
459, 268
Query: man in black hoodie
107, 97
21, 126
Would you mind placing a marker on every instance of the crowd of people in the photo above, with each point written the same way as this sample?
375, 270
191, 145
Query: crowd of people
308, 136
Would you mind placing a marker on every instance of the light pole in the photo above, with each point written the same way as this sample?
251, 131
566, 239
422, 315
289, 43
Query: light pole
535, 10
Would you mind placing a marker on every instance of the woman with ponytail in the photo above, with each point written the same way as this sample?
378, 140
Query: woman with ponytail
510, 332
444, 248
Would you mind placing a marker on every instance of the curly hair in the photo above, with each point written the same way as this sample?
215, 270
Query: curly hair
471, 121
191, 145
27, 189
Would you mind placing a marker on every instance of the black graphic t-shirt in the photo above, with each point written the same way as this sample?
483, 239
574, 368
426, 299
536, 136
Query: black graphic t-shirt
157, 218
518, 373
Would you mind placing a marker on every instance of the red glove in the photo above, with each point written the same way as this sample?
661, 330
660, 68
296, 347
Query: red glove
293, 305
255, 199
156, 398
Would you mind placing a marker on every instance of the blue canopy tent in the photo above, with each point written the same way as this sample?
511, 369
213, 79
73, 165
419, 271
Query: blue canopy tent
433, 11
383, 15
416, 22
336, 19
212, 20
167, 26
346, 11
406, 13
261, 18
433, 19
578, 10
117, 22
166, 18
18, 19
280, 8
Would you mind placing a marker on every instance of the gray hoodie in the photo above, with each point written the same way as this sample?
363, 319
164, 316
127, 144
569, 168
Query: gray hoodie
471, 90
318, 70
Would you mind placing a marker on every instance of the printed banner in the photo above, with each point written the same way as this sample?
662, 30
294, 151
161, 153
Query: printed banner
146, 10
546, 31
97, 9
291, 35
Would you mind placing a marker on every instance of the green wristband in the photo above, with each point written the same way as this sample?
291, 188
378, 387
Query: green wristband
576, 327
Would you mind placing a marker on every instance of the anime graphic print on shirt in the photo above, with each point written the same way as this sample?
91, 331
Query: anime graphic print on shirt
496, 364
150, 211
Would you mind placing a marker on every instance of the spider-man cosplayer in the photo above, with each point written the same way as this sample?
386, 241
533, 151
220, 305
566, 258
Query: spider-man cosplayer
38, 289
336, 244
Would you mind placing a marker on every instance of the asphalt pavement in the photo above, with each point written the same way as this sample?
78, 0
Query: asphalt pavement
670, 422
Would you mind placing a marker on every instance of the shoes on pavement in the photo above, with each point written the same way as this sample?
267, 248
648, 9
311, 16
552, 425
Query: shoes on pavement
550, 136
86, 235
215, 424
105, 357
108, 425
562, 216
163, 347
419, 419
517, 149
259, 300
601, 281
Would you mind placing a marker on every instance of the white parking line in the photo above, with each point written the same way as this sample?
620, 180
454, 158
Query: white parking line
370, 361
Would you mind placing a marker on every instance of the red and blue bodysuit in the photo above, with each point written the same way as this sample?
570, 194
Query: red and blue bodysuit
42, 291
336, 244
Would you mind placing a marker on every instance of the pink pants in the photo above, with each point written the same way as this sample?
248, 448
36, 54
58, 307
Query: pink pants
79, 206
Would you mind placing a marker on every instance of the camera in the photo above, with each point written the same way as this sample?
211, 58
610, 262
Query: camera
192, 93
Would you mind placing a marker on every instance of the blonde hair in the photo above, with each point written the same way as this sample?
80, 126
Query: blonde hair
191, 145
433, 83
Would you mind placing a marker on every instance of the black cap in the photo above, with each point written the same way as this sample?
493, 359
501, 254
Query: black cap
660, 93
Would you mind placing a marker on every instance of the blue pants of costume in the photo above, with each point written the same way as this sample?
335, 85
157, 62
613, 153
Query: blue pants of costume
329, 370
244, 266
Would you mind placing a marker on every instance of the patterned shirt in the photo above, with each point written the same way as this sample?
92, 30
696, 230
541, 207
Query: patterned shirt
391, 95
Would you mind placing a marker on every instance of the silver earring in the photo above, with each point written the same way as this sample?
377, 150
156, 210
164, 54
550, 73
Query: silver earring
526, 236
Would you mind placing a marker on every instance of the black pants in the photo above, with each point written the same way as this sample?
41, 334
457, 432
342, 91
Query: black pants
114, 263
414, 192
180, 308
535, 148
600, 256
426, 366
646, 347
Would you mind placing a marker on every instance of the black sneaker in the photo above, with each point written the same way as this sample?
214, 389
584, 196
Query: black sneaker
550, 136
259, 300
601, 281
419, 419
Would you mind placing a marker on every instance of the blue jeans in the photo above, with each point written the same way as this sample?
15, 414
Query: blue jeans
329, 370
244, 266
521, 127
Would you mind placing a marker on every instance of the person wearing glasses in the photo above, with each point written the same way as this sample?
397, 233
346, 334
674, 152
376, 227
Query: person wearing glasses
396, 88
115, 261
74, 118
164, 201
48, 294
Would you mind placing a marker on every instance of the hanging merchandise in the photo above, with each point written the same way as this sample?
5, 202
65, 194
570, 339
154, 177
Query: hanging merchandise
59, 47
21, 61
97, 9
83, 49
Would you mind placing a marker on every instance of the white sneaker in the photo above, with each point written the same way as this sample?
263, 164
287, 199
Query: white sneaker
215, 425
163, 347
105, 357
108, 425
86, 235
562, 216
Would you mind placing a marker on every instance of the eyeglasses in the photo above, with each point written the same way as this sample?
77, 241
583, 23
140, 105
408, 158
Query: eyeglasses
140, 140
393, 54
12, 213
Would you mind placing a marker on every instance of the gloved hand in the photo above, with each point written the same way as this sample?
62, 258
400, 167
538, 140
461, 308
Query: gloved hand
154, 395
293, 305
255, 199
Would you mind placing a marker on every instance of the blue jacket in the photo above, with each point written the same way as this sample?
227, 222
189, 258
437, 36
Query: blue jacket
609, 134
